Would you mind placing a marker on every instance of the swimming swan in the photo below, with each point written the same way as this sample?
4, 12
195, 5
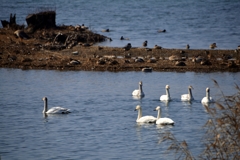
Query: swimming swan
144, 119
207, 99
167, 96
162, 121
138, 92
189, 96
54, 110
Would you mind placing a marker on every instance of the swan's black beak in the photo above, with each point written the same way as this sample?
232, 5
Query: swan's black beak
154, 110
134, 109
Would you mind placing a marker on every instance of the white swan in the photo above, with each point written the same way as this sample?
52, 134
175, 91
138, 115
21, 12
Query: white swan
144, 119
207, 99
138, 92
167, 96
162, 121
189, 96
54, 110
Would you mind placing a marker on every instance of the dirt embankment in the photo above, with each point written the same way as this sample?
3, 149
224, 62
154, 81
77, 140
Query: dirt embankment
72, 48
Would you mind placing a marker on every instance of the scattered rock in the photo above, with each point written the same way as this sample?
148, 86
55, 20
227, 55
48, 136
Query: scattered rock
175, 58
21, 34
180, 63
26, 60
139, 60
114, 62
148, 49
74, 62
101, 62
157, 47
152, 60
147, 69
75, 53
127, 61
128, 55
232, 64
205, 62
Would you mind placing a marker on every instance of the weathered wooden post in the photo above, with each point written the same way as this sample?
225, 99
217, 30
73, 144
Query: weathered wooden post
41, 20
11, 23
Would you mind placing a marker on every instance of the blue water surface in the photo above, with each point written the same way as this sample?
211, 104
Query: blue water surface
102, 124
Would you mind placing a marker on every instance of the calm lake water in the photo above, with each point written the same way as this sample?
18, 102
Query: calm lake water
102, 124
197, 23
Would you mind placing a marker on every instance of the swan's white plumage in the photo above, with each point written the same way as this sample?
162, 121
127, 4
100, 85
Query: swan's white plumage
58, 110
208, 98
54, 110
138, 92
147, 119
167, 96
144, 119
163, 121
189, 96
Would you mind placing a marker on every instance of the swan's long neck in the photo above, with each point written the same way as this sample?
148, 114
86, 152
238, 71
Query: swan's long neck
190, 93
167, 92
208, 94
159, 114
140, 90
45, 106
139, 113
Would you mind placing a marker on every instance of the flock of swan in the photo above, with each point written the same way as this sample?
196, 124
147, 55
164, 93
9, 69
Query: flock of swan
165, 121
184, 97
139, 93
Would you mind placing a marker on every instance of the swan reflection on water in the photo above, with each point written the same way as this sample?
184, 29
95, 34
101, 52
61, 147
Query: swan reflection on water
187, 103
137, 98
160, 126
165, 103
141, 127
45, 115
206, 106
49, 116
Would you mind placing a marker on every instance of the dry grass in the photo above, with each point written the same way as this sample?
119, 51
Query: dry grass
222, 138
180, 148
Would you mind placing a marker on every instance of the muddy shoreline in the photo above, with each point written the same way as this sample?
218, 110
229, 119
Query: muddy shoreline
43, 51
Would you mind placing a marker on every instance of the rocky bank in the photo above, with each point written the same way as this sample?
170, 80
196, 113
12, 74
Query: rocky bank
75, 48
